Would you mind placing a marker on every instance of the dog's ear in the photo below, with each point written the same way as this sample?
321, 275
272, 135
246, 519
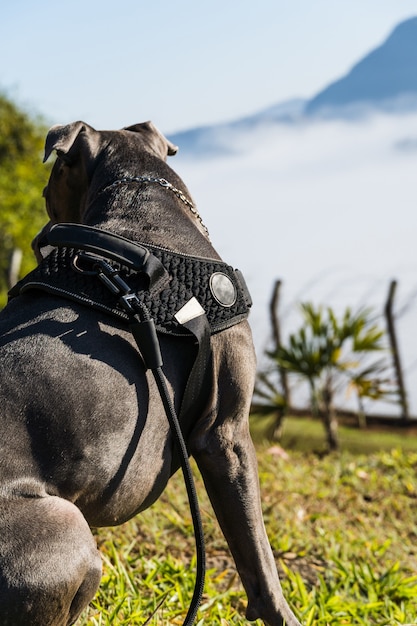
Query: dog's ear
77, 145
155, 139
63, 139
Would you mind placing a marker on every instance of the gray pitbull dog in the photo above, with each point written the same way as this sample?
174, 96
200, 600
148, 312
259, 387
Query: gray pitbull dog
77, 405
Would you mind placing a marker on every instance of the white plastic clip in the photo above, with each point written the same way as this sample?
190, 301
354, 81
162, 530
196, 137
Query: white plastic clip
189, 311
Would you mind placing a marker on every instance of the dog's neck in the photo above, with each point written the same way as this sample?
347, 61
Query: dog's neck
144, 209
166, 185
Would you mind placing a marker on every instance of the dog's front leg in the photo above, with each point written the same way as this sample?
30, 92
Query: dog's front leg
224, 452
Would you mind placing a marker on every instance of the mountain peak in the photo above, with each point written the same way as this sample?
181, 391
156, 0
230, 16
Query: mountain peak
406, 30
385, 78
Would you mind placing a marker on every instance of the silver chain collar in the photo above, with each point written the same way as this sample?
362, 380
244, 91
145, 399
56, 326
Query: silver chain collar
163, 183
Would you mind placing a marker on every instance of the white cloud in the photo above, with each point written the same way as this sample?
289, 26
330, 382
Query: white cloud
329, 207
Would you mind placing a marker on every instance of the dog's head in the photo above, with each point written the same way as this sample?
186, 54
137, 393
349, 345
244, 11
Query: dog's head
78, 147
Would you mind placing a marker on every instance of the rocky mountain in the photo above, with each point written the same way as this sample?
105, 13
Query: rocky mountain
384, 80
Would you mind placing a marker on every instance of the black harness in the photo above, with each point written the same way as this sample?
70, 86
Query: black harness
154, 290
164, 281
183, 295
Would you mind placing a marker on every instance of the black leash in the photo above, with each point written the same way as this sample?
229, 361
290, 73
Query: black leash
143, 330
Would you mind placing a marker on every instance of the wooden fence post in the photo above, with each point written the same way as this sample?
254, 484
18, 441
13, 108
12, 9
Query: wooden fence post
276, 330
395, 352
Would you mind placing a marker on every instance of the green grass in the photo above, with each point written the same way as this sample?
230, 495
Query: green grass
343, 528
308, 435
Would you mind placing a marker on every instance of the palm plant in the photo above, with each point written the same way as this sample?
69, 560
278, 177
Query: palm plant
269, 399
332, 354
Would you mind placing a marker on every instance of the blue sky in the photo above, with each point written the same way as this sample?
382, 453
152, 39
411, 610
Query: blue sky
181, 63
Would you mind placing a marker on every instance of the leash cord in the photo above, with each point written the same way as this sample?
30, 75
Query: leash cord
192, 496
143, 329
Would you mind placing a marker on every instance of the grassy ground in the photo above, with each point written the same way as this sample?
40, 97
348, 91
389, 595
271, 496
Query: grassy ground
308, 435
343, 528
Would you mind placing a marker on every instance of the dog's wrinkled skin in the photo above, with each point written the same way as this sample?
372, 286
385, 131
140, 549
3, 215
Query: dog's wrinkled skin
84, 438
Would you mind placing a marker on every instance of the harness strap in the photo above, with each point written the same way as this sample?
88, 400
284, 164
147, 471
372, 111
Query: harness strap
198, 385
110, 246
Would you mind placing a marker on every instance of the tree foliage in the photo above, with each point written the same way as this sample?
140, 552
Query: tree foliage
22, 179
